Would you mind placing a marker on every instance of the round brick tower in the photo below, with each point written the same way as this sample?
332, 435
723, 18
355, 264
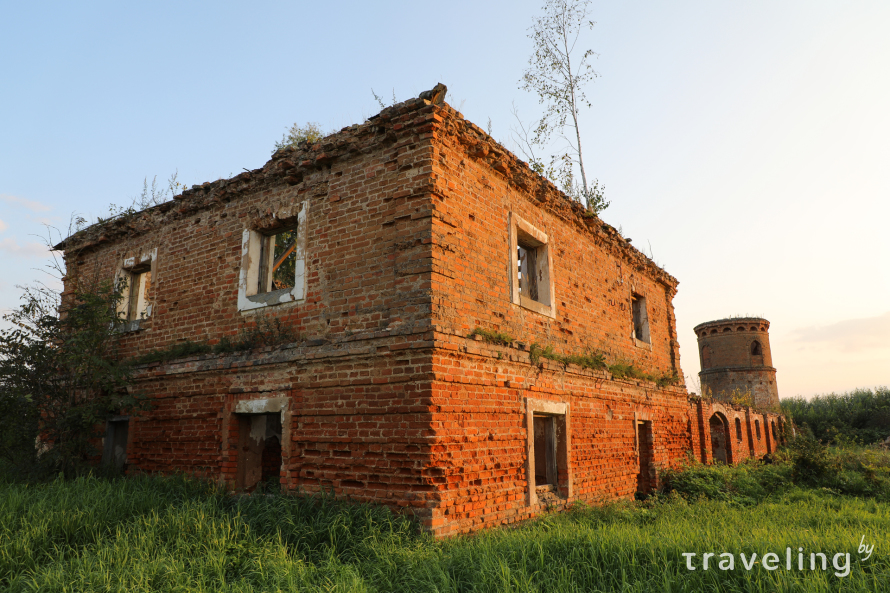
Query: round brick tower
736, 359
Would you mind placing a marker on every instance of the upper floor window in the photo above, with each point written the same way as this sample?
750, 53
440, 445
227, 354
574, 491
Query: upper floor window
135, 282
532, 284
139, 283
273, 265
278, 258
640, 320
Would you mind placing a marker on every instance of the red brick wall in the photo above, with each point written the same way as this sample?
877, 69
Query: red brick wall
367, 252
387, 399
594, 269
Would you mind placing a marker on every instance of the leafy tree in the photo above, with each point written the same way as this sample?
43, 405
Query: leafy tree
297, 134
862, 415
558, 76
61, 378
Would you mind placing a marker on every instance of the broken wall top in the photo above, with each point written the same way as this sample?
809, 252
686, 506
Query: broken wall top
426, 116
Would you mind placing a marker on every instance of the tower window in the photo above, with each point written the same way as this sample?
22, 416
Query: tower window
706, 357
756, 350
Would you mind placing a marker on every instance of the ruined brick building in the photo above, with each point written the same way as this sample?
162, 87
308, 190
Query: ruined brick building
382, 248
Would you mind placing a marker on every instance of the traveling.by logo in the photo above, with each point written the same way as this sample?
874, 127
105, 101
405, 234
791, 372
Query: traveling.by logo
771, 561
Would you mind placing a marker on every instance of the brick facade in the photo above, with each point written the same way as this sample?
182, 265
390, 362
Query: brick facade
412, 225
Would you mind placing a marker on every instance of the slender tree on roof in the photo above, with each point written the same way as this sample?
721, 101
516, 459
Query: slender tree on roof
558, 72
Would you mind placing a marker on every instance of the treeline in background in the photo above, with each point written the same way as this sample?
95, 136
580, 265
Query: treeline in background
861, 416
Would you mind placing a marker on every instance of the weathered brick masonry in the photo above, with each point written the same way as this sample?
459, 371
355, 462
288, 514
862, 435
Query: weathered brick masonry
414, 229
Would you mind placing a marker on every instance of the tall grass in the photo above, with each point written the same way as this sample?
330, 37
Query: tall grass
174, 534
862, 415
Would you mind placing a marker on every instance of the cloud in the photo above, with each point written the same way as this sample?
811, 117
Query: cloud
29, 204
3, 225
30, 249
850, 335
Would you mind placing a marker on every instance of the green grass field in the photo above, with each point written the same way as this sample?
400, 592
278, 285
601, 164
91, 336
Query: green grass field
175, 534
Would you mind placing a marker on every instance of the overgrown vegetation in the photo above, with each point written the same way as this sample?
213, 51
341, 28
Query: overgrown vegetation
805, 463
267, 331
861, 416
588, 360
597, 361
61, 378
176, 534
296, 135
492, 337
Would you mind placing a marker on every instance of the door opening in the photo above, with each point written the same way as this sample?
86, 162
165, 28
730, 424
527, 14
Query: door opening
114, 453
645, 478
259, 451
719, 442
545, 451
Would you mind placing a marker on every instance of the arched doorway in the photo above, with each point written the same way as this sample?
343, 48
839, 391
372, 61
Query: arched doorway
719, 438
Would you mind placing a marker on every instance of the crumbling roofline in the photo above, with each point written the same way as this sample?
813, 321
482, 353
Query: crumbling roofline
293, 165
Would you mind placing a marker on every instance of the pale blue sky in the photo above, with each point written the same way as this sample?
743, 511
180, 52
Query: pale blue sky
747, 142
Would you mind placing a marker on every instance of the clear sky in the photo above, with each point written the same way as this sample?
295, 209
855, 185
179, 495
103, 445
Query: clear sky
745, 144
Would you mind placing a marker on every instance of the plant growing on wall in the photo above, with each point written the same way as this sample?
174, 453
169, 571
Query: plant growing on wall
297, 134
558, 73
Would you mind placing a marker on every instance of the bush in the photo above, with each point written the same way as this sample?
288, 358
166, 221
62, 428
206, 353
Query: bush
805, 463
61, 378
809, 460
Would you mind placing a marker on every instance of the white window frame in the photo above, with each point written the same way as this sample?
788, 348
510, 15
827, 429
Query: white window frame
520, 230
249, 297
135, 267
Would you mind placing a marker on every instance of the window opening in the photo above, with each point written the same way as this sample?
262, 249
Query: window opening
139, 283
757, 428
738, 430
706, 357
278, 258
640, 318
528, 275
529, 271
114, 453
531, 256
755, 348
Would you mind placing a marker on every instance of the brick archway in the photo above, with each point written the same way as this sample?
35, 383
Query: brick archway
720, 444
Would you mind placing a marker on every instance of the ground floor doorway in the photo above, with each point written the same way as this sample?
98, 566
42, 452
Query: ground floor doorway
259, 451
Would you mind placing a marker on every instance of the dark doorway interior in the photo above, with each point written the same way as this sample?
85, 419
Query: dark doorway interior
645, 479
115, 450
259, 451
718, 439
545, 451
